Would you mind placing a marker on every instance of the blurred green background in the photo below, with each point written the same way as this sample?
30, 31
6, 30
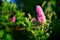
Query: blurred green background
49, 6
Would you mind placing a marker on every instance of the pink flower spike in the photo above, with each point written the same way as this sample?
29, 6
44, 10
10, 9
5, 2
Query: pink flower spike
40, 14
13, 19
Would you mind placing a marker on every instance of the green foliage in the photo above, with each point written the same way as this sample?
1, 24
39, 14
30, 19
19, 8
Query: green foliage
8, 37
1, 33
24, 25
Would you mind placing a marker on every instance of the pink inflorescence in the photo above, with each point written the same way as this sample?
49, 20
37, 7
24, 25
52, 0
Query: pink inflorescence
40, 14
13, 19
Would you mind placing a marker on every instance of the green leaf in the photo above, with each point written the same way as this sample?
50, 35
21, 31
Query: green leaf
1, 33
43, 4
8, 37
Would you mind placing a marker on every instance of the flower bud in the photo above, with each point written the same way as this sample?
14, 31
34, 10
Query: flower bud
40, 14
13, 19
